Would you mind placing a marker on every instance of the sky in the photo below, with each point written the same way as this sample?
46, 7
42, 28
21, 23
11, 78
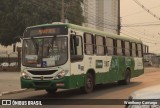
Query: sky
133, 15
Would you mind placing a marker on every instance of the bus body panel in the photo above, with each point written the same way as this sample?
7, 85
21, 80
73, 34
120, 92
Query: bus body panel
107, 68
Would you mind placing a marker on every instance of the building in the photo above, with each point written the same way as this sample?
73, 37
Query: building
101, 14
9, 49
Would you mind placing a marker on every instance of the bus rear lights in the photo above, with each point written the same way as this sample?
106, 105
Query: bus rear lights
61, 74
60, 84
25, 75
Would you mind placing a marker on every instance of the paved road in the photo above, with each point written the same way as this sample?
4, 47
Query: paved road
108, 91
9, 81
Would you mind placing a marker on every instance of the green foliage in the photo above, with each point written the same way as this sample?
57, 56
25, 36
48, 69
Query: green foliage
16, 15
75, 16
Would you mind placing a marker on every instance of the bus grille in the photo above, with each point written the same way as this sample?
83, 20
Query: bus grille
44, 78
45, 72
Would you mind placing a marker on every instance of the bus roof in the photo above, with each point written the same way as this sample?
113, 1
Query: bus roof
91, 30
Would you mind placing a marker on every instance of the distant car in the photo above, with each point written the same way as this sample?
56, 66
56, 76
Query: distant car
148, 97
4, 65
13, 64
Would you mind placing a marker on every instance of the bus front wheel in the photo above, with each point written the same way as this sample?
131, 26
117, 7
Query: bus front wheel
89, 83
51, 91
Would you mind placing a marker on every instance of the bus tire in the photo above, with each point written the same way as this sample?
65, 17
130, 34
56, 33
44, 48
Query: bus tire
89, 83
51, 91
126, 81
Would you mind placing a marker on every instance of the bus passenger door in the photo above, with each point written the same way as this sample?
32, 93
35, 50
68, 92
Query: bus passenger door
76, 57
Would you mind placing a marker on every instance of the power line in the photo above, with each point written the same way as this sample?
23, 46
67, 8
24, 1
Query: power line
147, 10
143, 33
146, 38
128, 35
150, 41
138, 12
140, 25
131, 33
142, 40
143, 23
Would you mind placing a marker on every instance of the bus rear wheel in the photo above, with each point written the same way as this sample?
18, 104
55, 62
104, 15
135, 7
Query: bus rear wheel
89, 83
127, 79
51, 91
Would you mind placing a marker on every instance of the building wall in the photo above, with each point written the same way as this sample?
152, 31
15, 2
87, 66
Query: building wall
101, 14
89, 13
9, 49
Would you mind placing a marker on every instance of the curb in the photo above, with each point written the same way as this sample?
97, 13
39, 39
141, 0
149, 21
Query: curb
15, 91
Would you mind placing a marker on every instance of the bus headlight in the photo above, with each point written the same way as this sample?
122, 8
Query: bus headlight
25, 75
61, 74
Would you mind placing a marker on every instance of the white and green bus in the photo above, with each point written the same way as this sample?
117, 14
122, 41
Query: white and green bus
68, 56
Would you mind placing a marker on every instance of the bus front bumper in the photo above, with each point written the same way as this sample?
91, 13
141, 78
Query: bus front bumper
44, 84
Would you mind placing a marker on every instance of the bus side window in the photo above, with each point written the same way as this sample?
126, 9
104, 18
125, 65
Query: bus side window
109, 45
127, 48
115, 46
119, 47
134, 51
88, 44
76, 50
100, 45
130, 46
139, 50
123, 48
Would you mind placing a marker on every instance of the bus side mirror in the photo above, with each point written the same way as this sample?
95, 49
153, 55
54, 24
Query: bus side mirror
76, 39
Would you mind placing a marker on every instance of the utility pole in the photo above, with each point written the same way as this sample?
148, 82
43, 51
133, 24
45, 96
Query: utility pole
119, 19
62, 12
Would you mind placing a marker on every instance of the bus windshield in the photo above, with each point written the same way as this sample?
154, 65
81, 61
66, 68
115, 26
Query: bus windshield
44, 52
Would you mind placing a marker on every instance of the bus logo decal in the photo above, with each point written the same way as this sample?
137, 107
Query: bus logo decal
42, 78
99, 64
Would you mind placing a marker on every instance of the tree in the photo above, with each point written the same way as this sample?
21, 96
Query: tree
9, 22
16, 15
75, 16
